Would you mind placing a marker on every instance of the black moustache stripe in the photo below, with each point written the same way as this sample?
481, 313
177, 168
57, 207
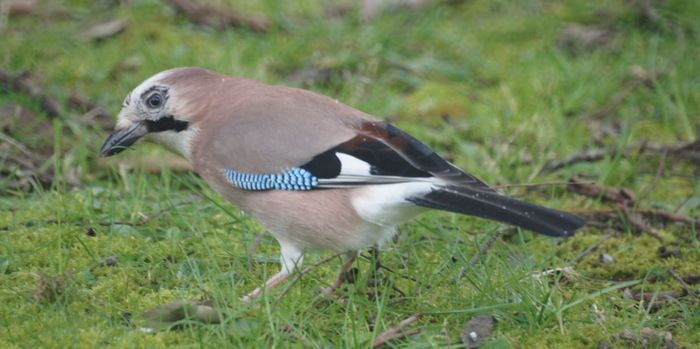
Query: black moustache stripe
168, 123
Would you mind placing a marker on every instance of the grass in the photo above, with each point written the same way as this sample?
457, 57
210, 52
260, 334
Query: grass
482, 82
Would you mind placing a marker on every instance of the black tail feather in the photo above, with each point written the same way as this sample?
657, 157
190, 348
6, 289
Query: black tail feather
501, 208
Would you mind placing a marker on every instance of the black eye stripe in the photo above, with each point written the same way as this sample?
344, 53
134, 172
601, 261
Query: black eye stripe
168, 123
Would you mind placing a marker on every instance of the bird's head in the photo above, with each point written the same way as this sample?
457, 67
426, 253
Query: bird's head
156, 110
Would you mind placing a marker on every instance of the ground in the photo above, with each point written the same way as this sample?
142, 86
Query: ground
502, 88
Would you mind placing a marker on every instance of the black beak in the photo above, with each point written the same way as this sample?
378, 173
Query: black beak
123, 138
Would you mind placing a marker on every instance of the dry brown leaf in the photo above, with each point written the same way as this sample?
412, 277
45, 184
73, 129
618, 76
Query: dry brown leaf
218, 16
649, 338
104, 30
577, 38
167, 316
372, 8
622, 196
17, 8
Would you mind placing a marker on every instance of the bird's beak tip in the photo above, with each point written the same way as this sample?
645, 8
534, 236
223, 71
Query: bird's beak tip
107, 152
122, 138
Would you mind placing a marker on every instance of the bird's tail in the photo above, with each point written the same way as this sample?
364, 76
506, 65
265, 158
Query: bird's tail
494, 206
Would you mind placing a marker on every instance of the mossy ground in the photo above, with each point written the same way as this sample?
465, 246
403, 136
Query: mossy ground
483, 82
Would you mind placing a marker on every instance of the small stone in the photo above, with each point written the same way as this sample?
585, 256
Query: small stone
110, 261
627, 294
665, 252
606, 258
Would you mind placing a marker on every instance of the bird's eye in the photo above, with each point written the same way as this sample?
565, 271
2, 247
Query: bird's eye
154, 101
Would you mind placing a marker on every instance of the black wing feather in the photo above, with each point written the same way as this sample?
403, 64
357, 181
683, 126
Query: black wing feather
392, 154
501, 208
383, 160
324, 165
419, 155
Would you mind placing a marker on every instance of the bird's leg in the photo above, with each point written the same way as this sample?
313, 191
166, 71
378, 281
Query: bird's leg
270, 283
291, 258
348, 259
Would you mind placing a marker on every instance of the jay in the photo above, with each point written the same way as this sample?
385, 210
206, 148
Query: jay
317, 174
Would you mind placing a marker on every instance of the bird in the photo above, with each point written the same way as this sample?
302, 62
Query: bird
316, 173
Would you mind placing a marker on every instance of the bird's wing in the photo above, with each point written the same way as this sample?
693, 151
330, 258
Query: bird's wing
419, 155
282, 138
382, 153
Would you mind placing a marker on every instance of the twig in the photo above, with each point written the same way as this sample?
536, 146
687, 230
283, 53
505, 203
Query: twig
689, 150
638, 224
19, 83
374, 255
649, 296
396, 331
657, 176
401, 275
411, 332
156, 214
641, 77
591, 248
653, 233
621, 196
31, 161
601, 217
301, 273
19, 145
649, 213
667, 216
20, 161
485, 247
624, 198
683, 284
686, 200
587, 156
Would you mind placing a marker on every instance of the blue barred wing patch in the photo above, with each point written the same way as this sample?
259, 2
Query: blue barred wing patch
292, 179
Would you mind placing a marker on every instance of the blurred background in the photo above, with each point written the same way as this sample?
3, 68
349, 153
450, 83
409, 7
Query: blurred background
467, 75
588, 106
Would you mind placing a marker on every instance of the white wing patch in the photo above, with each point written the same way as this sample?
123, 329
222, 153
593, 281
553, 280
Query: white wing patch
350, 165
354, 172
